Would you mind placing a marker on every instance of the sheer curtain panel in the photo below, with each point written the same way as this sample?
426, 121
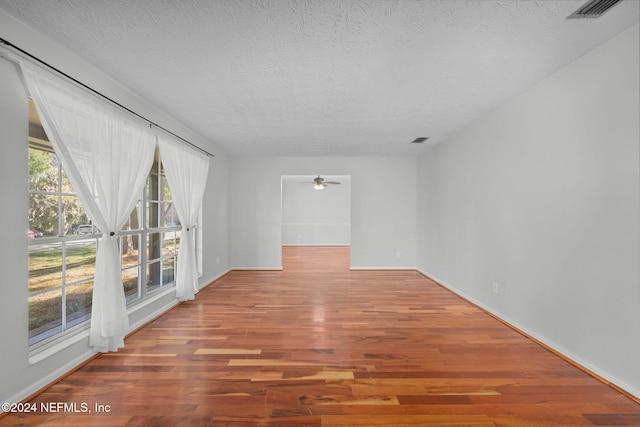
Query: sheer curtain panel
186, 171
107, 155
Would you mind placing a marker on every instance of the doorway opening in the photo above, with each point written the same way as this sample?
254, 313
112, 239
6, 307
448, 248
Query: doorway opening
315, 217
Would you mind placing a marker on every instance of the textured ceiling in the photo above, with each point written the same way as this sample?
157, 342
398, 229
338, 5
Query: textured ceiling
324, 77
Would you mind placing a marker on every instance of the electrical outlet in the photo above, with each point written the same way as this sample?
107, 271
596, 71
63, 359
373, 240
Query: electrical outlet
495, 288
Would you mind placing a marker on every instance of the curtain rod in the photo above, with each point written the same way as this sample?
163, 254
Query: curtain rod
35, 58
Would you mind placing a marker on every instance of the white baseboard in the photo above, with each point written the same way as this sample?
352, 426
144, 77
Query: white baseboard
206, 282
578, 361
317, 245
50, 378
152, 316
382, 268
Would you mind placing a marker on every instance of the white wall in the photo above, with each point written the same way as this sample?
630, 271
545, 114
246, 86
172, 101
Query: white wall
216, 234
542, 197
383, 208
18, 377
313, 217
13, 258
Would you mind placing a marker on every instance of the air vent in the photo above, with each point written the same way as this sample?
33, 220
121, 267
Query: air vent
420, 140
593, 9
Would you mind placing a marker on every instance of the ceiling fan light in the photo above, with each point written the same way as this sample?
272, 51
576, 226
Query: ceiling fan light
319, 183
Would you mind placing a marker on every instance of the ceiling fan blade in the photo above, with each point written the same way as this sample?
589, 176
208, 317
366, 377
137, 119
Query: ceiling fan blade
319, 181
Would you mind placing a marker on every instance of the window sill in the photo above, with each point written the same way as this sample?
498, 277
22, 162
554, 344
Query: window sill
82, 333
56, 346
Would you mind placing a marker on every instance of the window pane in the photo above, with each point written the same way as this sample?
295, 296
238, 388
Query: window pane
80, 260
153, 184
130, 282
166, 193
65, 186
85, 229
43, 170
169, 215
129, 245
45, 267
43, 214
154, 275
133, 221
170, 244
168, 271
79, 298
153, 214
160, 273
73, 215
45, 315
154, 246
162, 244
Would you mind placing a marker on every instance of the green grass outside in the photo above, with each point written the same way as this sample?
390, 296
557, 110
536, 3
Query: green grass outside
45, 272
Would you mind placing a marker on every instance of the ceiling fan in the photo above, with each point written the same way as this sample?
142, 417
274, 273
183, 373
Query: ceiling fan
319, 183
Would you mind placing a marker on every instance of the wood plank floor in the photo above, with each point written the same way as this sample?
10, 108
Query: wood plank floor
319, 345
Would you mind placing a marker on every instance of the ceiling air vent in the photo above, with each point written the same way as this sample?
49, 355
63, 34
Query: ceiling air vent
593, 9
420, 140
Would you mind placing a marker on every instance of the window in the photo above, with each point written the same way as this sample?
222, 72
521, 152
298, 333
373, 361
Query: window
63, 242
154, 224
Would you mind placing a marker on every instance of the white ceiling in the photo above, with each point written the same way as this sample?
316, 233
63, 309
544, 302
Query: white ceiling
324, 77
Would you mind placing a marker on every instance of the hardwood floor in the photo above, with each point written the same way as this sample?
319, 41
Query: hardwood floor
319, 345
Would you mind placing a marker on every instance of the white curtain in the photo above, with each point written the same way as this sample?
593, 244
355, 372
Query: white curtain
186, 170
107, 155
